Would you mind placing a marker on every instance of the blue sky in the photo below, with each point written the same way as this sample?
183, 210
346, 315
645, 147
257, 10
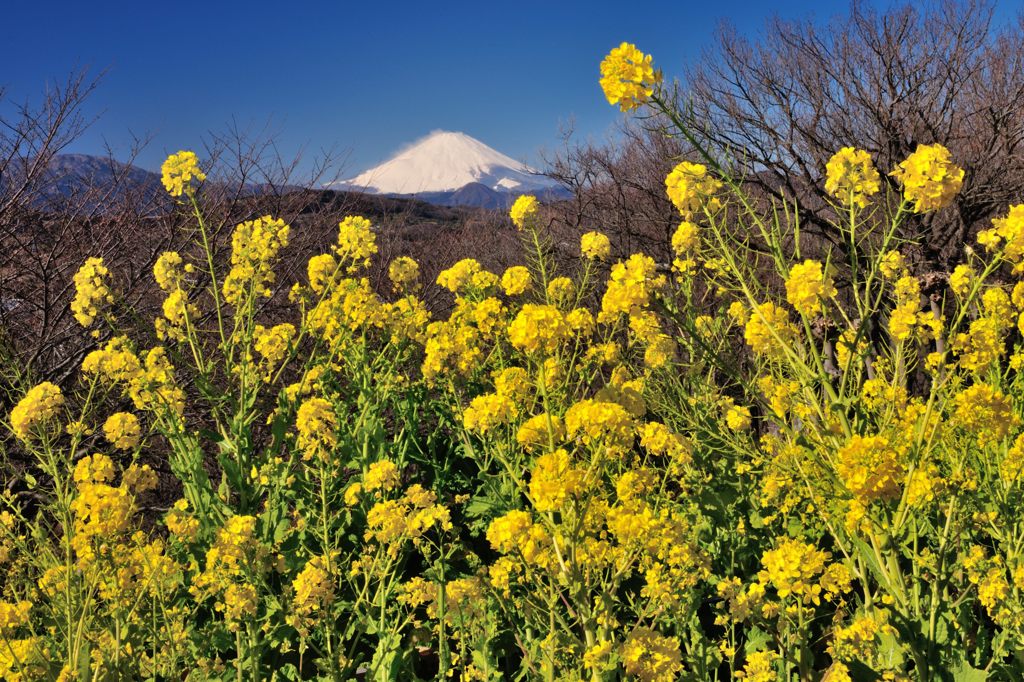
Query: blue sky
362, 78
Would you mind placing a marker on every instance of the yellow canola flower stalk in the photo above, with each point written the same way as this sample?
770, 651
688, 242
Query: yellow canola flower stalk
929, 177
525, 211
851, 177
628, 77
179, 171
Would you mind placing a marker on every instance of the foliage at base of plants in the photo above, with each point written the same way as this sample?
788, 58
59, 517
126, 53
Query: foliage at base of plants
767, 460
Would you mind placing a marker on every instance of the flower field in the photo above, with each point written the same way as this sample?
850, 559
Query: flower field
766, 460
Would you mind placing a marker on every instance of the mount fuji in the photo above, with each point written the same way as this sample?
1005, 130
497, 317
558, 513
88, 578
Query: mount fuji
453, 169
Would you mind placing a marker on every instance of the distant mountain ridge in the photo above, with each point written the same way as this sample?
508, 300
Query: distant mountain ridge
454, 169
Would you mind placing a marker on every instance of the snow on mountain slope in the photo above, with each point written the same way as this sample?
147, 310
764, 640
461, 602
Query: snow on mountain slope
447, 161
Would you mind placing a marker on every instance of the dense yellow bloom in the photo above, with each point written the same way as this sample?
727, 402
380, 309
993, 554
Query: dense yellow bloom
122, 430
539, 329
807, 287
769, 331
596, 422
892, 265
516, 280
685, 238
851, 177
984, 410
960, 279
595, 245
690, 187
1008, 231
272, 344
540, 431
487, 412
41, 404
504, 532
871, 468
760, 667
930, 179
628, 77
981, 346
255, 245
793, 568
404, 273
12, 617
460, 275
737, 417
169, 271
524, 211
356, 242
651, 657
631, 285
553, 480
178, 172
321, 271
561, 290
313, 588
91, 291
382, 475
317, 425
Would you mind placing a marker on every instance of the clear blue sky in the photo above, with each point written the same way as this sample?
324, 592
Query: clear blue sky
363, 77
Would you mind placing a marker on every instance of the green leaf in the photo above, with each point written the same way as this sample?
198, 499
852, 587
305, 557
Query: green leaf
965, 672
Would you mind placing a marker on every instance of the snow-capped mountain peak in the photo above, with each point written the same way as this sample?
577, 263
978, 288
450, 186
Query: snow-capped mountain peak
446, 161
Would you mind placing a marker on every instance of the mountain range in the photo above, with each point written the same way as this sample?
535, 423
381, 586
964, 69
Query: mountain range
444, 168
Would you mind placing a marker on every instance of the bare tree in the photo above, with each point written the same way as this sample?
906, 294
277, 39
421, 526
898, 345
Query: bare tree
884, 81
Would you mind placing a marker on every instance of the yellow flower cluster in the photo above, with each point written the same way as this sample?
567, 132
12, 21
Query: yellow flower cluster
930, 179
595, 246
1008, 232
630, 286
807, 287
122, 430
628, 77
650, 656
460, 276
871, 468
356, 242
235, 560
272, 345
178, 172
769, 331
539, 329
313, 588
600, 424
851, 177
169, 271
393, 521
487, 412
793, 568
516, 280
41, 404
524, 212
178, 312
316, 424
691, 187
554, 480
255, 245
91, 291
404, 273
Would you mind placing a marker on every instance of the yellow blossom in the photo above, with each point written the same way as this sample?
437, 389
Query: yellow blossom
178, 172
930, 179
628, 77
851, 177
